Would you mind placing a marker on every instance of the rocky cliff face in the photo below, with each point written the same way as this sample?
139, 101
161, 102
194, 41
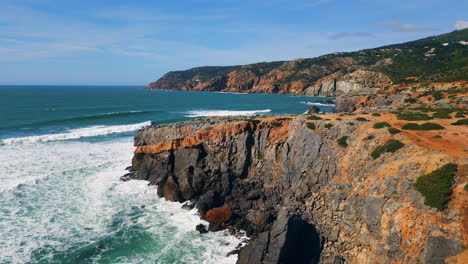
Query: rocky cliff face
304, 198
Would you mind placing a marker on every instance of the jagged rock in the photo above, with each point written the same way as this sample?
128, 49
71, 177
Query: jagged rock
438, 249
291, 240
201, 228
313, 110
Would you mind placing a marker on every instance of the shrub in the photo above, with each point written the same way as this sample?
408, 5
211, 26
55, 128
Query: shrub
436, 187
328, 125
381, 125
314, 117
441, 115
283, 118
361, 119
459, 114
437, 136
369, 137
391, 145
410, 100
276, 124
350, 123
339, 119
255, 121
425, 126
342, 141
393, 130
461, 122
412, 116
208, 128
437, 95
260, 155
310, 126
466, 187
376, 114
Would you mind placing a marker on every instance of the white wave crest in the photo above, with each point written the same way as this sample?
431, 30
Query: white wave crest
317, 103
76, 133
201, 113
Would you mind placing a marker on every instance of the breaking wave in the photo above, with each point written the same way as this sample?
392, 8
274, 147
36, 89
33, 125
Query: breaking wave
201, 113
76, 133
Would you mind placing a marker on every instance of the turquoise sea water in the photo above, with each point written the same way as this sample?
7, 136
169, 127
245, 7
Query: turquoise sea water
62, 152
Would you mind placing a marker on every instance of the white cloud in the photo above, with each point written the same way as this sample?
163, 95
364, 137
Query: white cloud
460, 24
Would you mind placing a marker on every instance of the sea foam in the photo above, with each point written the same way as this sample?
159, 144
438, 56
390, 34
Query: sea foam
76, 133
317, 103
200, 113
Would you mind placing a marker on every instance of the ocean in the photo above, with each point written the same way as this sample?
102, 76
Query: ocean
62, 152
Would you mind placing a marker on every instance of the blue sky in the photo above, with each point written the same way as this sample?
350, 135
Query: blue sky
117, 42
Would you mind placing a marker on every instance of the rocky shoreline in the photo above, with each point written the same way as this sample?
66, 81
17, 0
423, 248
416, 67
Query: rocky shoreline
300, 194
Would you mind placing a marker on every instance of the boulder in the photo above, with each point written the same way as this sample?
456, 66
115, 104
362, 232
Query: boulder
219, 215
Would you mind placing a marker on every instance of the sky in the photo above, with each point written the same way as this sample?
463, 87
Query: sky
134, 42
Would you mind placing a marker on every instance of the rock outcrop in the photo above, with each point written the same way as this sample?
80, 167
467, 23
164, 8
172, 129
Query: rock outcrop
302, 197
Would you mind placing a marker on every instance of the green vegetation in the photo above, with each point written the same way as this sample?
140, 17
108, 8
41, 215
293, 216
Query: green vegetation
466, 187
413, 116
436, 187
393, 130
376, 114
350, 123
437, 136
381, 125
425, 126
283, 119
460, 122
310, 126
459, 115
276, 124
391, 145
260, 155
342, 141
361, 119
328, 125
339, 119
410, 100
314, 117
208, 128
437, 95
441, 115
369, 137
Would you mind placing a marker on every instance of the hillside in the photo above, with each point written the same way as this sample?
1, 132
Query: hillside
442, 58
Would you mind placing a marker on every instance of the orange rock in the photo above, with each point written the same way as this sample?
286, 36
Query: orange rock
219, 215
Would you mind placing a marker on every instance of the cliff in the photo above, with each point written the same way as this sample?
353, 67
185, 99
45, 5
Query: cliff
334, 188
441, 58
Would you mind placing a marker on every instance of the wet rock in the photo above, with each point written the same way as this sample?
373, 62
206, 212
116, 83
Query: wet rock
313, 110
201, 228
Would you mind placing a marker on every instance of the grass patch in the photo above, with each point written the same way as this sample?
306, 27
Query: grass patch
361, 119
381, 125
413, 116
460, 122
393, 130
391, 145
376, 114
328, 125
436, 187
314, 117
260, 155
310, 126
437, 136
208, 128
425, 126
342, 141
